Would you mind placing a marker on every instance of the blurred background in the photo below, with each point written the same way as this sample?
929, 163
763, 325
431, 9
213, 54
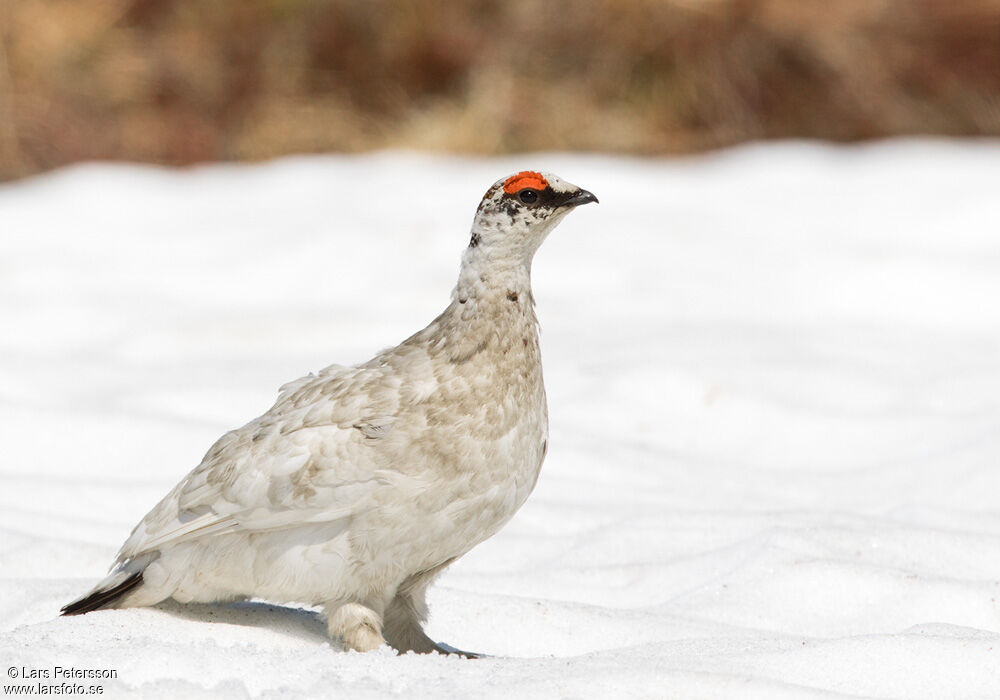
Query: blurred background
186, 81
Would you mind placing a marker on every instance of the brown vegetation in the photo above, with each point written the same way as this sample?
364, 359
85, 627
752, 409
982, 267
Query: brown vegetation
182, 81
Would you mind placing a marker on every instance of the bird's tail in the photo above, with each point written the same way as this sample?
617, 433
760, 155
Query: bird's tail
124, 579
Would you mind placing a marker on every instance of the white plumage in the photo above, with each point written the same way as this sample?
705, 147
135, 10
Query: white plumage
362, 483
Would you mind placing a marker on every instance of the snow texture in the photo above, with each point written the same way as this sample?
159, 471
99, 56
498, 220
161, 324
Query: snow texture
773, 379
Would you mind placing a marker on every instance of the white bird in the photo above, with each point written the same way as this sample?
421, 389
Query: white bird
361, 484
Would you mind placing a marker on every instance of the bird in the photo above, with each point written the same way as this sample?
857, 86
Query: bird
362, 483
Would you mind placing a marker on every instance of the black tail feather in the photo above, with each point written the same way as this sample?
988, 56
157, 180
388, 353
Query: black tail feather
100, 599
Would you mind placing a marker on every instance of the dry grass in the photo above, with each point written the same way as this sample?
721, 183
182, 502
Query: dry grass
182, 81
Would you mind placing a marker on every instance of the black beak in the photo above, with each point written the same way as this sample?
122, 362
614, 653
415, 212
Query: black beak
577, 198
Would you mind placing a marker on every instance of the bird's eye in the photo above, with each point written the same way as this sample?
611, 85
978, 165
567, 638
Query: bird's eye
528, 196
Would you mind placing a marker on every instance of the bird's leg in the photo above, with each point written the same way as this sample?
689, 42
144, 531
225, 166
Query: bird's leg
358, 626
403, 629
404, 617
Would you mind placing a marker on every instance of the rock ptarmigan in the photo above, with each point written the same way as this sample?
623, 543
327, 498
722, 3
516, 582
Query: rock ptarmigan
361, 484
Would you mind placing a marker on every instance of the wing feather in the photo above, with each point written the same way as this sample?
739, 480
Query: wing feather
307, 460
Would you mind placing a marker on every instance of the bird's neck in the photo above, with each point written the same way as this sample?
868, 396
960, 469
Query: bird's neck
491, 308
488, 274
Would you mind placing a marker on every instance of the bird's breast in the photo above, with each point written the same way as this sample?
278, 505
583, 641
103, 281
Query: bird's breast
470, 451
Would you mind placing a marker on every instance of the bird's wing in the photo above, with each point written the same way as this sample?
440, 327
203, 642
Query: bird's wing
312, 458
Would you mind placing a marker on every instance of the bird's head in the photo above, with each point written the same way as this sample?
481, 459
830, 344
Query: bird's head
518, 212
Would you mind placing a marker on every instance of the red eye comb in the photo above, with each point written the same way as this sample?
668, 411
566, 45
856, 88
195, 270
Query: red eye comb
524, 180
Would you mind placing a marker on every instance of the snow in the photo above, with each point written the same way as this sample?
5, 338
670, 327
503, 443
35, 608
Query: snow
773, 379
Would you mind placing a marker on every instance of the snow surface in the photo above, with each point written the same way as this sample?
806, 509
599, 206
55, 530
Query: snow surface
773, 380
